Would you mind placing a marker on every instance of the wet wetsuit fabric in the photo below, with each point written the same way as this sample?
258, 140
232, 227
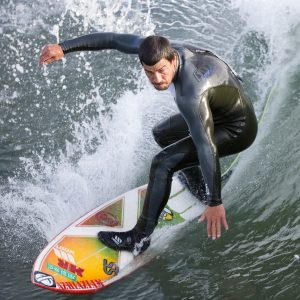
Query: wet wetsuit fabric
215, 120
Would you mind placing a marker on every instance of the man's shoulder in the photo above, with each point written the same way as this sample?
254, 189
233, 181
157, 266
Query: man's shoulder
188, 47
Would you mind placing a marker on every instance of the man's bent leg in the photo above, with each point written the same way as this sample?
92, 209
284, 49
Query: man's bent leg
177, 156
171, 159
183, 155
170, 131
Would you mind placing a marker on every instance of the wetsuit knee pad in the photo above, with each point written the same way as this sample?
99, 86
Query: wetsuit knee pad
170, 130
166, 163
159, 161
162, 133
159, 137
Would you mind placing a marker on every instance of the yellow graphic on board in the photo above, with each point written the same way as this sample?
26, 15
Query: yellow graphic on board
77, 268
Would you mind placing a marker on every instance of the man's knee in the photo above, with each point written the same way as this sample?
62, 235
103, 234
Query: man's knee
159, 134
158, 161
163, 163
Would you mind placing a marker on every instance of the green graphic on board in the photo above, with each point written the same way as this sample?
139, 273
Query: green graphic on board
62, 272
167, 217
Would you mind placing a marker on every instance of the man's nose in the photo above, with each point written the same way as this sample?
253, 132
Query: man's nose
156, 78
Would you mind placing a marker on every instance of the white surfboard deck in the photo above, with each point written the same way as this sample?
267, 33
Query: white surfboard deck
76, 262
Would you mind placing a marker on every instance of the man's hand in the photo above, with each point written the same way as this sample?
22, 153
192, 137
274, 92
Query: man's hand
215, 216
51, 53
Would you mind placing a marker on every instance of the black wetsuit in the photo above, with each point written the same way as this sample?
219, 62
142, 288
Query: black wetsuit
215, 120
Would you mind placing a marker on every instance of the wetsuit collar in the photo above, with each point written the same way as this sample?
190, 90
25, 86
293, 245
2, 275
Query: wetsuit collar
178, 64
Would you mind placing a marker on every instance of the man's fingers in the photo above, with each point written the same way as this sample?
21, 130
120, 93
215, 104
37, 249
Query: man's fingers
218, 228
224, 222
44, 57
49, 61
209, 233
44, 60
213, 229
50, 53
215, 217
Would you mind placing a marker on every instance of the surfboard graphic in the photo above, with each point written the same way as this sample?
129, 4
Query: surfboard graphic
76, 262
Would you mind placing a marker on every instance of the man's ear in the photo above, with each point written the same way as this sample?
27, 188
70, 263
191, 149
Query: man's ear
174, 59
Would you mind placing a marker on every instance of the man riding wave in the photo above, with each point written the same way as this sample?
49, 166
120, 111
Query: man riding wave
215, 119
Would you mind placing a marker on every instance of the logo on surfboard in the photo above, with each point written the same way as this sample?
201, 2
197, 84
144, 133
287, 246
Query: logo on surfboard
167, 214
66, 265
44, 279
64, 253
107, 219
110, 268
70, 267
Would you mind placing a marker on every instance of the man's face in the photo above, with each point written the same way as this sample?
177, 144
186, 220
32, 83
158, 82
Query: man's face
162, 73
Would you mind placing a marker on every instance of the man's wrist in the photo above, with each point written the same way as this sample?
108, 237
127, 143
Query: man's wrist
214, 202
63, 47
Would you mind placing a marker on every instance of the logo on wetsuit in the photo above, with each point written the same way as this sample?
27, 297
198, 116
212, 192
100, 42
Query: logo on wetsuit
202, 73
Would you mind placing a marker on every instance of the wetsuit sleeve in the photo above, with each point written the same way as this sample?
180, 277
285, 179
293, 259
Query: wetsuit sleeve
196, 111
127, 43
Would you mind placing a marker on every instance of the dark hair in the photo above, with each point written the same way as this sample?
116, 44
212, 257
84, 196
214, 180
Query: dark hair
154, 48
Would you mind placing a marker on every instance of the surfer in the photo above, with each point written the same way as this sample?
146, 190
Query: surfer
215, 119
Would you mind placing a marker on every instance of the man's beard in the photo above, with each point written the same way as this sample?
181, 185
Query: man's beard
161, 87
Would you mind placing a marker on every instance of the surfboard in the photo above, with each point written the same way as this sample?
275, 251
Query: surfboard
76, 262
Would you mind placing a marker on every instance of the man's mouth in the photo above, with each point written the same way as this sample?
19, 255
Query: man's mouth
158, 84
160, 87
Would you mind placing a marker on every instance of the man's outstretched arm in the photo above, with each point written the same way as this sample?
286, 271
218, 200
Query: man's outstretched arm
127, 43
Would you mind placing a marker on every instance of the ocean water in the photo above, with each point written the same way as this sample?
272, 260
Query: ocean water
77, 133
